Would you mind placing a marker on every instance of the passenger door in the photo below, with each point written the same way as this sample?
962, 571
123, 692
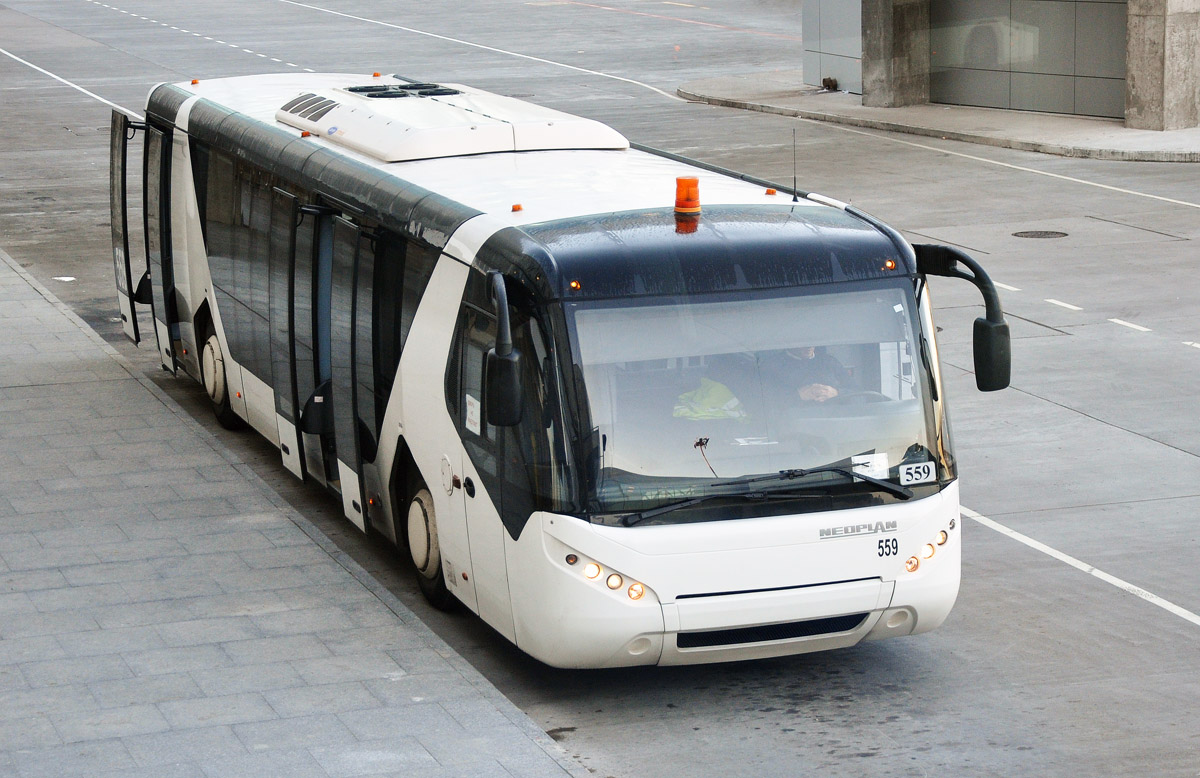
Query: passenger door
282, 262
156, 199
128, 294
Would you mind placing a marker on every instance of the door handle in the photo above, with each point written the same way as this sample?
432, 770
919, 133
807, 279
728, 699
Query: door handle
469, 486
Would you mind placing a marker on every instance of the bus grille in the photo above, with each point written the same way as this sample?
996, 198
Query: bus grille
795, 629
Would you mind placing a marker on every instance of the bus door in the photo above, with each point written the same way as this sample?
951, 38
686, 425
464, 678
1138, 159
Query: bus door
285, 212
350, 247
122, 129
310, 356
156, 199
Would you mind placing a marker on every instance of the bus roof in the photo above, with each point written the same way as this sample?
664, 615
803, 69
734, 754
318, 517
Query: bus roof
488, 152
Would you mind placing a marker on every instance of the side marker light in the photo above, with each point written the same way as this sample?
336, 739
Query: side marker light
517, 207
772, 192
889, 265
575, 286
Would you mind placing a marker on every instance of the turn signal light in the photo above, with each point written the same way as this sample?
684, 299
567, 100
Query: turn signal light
911, 564
636, 591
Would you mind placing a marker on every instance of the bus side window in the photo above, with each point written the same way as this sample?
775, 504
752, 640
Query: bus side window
535, 466
474, 335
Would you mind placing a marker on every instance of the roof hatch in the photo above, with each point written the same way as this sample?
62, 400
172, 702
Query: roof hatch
396, 121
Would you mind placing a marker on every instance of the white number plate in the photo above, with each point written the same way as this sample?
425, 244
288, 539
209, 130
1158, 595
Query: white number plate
917, 473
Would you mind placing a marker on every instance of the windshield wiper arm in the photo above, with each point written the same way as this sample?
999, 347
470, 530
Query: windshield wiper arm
900, 491
630, 519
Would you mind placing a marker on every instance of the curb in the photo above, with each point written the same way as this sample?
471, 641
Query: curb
1056, 149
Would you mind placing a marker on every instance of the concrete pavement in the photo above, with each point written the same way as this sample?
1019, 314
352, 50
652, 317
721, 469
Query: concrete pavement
164, 613
784, 92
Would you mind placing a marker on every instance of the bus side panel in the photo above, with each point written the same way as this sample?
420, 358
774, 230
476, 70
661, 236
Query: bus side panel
427, 423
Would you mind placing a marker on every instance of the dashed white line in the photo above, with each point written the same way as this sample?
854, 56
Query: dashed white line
1131, 325
1006, 286
1061, 304
1190, 343
1125, 586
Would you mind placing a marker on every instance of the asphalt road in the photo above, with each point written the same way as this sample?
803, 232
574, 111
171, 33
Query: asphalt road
1045, 667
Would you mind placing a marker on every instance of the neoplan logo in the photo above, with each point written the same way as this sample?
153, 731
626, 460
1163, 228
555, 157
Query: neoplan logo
878, 528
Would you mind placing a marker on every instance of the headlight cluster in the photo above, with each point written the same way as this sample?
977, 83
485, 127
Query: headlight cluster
913, 563
612, 579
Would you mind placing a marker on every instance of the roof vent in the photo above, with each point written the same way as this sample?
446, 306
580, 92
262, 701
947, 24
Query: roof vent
438, 120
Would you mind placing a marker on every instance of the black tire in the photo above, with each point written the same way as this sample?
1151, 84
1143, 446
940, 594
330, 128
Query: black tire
212, 376
421, 533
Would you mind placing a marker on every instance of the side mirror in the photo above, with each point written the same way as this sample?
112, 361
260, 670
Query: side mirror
993, 355
503, 393
503, 370
992, 345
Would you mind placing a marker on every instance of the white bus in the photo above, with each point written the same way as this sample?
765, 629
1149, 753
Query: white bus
623, 422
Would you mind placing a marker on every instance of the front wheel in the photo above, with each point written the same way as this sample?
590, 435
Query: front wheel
212, 373
421, 530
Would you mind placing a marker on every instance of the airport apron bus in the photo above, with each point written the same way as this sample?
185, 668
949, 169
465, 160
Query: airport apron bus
627, 407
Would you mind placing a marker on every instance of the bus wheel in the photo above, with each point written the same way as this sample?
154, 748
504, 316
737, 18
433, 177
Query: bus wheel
212, 371
423, 548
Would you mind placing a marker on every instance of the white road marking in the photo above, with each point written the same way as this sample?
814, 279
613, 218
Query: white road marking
998, 163
1006, 286
60, 79
1061, 304
1125, 586
1190, 343
1130, 325
462, 42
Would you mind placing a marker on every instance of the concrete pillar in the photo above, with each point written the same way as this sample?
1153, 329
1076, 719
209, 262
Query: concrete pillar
1162, 77
895, 57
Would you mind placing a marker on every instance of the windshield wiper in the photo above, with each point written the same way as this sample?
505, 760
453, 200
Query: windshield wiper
777, 493
902, 492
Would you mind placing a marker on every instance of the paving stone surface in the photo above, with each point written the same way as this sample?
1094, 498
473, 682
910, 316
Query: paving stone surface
164, 613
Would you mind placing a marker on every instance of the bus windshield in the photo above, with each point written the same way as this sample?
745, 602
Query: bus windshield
688, 396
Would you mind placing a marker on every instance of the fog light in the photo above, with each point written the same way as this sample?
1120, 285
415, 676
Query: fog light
636, 591
591, 570
928, 550
911, 564
614, 581
943, 536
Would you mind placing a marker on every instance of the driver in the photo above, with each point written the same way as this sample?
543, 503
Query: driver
816, 375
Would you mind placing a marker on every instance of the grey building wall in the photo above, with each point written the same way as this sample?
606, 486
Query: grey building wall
833, 44
1060, 56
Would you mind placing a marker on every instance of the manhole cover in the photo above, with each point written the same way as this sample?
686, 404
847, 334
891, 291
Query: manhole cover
1039, 234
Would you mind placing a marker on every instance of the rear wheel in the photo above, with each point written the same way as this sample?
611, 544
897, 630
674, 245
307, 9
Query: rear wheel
421, 531
212, 373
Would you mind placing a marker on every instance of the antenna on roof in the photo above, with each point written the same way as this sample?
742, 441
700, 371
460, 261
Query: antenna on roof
795, 187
